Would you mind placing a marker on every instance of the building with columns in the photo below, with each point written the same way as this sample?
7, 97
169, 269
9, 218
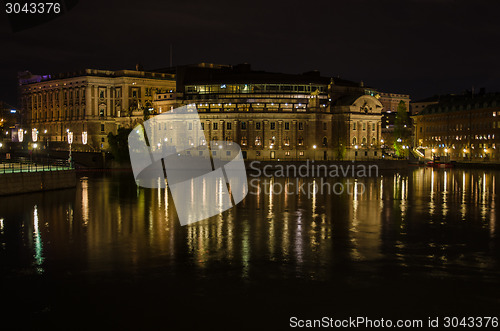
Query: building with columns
89, 103
276, 116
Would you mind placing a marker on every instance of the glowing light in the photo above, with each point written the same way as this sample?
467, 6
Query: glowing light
20, 135
84, 137
356, 146
34, 135
70, 137
446, 150
314, 146
35, 145
433, 150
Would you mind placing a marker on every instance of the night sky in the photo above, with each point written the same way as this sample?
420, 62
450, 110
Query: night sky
419, 47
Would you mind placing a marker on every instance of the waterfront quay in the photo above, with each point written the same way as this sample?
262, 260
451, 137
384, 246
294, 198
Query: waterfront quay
27, 177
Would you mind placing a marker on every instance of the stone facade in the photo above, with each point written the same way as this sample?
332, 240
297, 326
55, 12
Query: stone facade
92, 101
278, 120
463, 127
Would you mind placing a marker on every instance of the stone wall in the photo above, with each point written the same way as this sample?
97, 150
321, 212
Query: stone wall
26, 182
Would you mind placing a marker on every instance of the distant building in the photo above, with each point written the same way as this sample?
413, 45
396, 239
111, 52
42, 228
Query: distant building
418, 106
9, 120
275, 116
89, 103
390, 102
460, 126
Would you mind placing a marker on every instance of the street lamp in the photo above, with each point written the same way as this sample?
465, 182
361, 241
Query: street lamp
314, 152
34, 134
356, 152
70, 141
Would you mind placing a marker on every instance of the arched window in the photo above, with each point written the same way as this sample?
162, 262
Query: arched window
243, 141
354, 141
202, 141
300, 141
363, 142
229, 140
286, 141
325, 141
258, 141
374, 141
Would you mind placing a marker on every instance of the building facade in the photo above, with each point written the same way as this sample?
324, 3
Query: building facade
278, 116
89, 104
463, 127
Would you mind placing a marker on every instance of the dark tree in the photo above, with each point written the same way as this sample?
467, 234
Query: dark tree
119, 144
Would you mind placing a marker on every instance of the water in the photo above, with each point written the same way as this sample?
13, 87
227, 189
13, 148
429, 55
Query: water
417, 243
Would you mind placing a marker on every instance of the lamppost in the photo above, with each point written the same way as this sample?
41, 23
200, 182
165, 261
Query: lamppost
314, 152
355, 152
84, 137
35, 145
70, 141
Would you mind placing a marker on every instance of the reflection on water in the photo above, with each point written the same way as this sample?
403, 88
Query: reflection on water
440, 222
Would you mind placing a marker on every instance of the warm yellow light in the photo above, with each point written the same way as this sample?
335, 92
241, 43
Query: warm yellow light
433, 150
465, 151
35, 145
446, 150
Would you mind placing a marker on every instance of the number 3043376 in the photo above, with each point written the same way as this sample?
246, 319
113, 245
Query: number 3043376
33, 8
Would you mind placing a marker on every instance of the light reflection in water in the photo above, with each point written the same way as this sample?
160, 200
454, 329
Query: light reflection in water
37, 238
85, 200
401, 219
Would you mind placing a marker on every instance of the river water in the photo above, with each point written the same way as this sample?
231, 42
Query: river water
417, 243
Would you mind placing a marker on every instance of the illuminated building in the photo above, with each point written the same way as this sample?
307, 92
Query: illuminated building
90, 103
460, 126
276, 116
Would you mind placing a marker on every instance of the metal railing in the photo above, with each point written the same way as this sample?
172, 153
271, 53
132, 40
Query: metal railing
24, 165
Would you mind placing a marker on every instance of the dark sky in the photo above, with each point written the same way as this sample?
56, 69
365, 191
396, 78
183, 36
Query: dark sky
420, 47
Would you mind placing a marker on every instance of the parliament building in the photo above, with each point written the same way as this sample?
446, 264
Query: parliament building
275, 116
272, 116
